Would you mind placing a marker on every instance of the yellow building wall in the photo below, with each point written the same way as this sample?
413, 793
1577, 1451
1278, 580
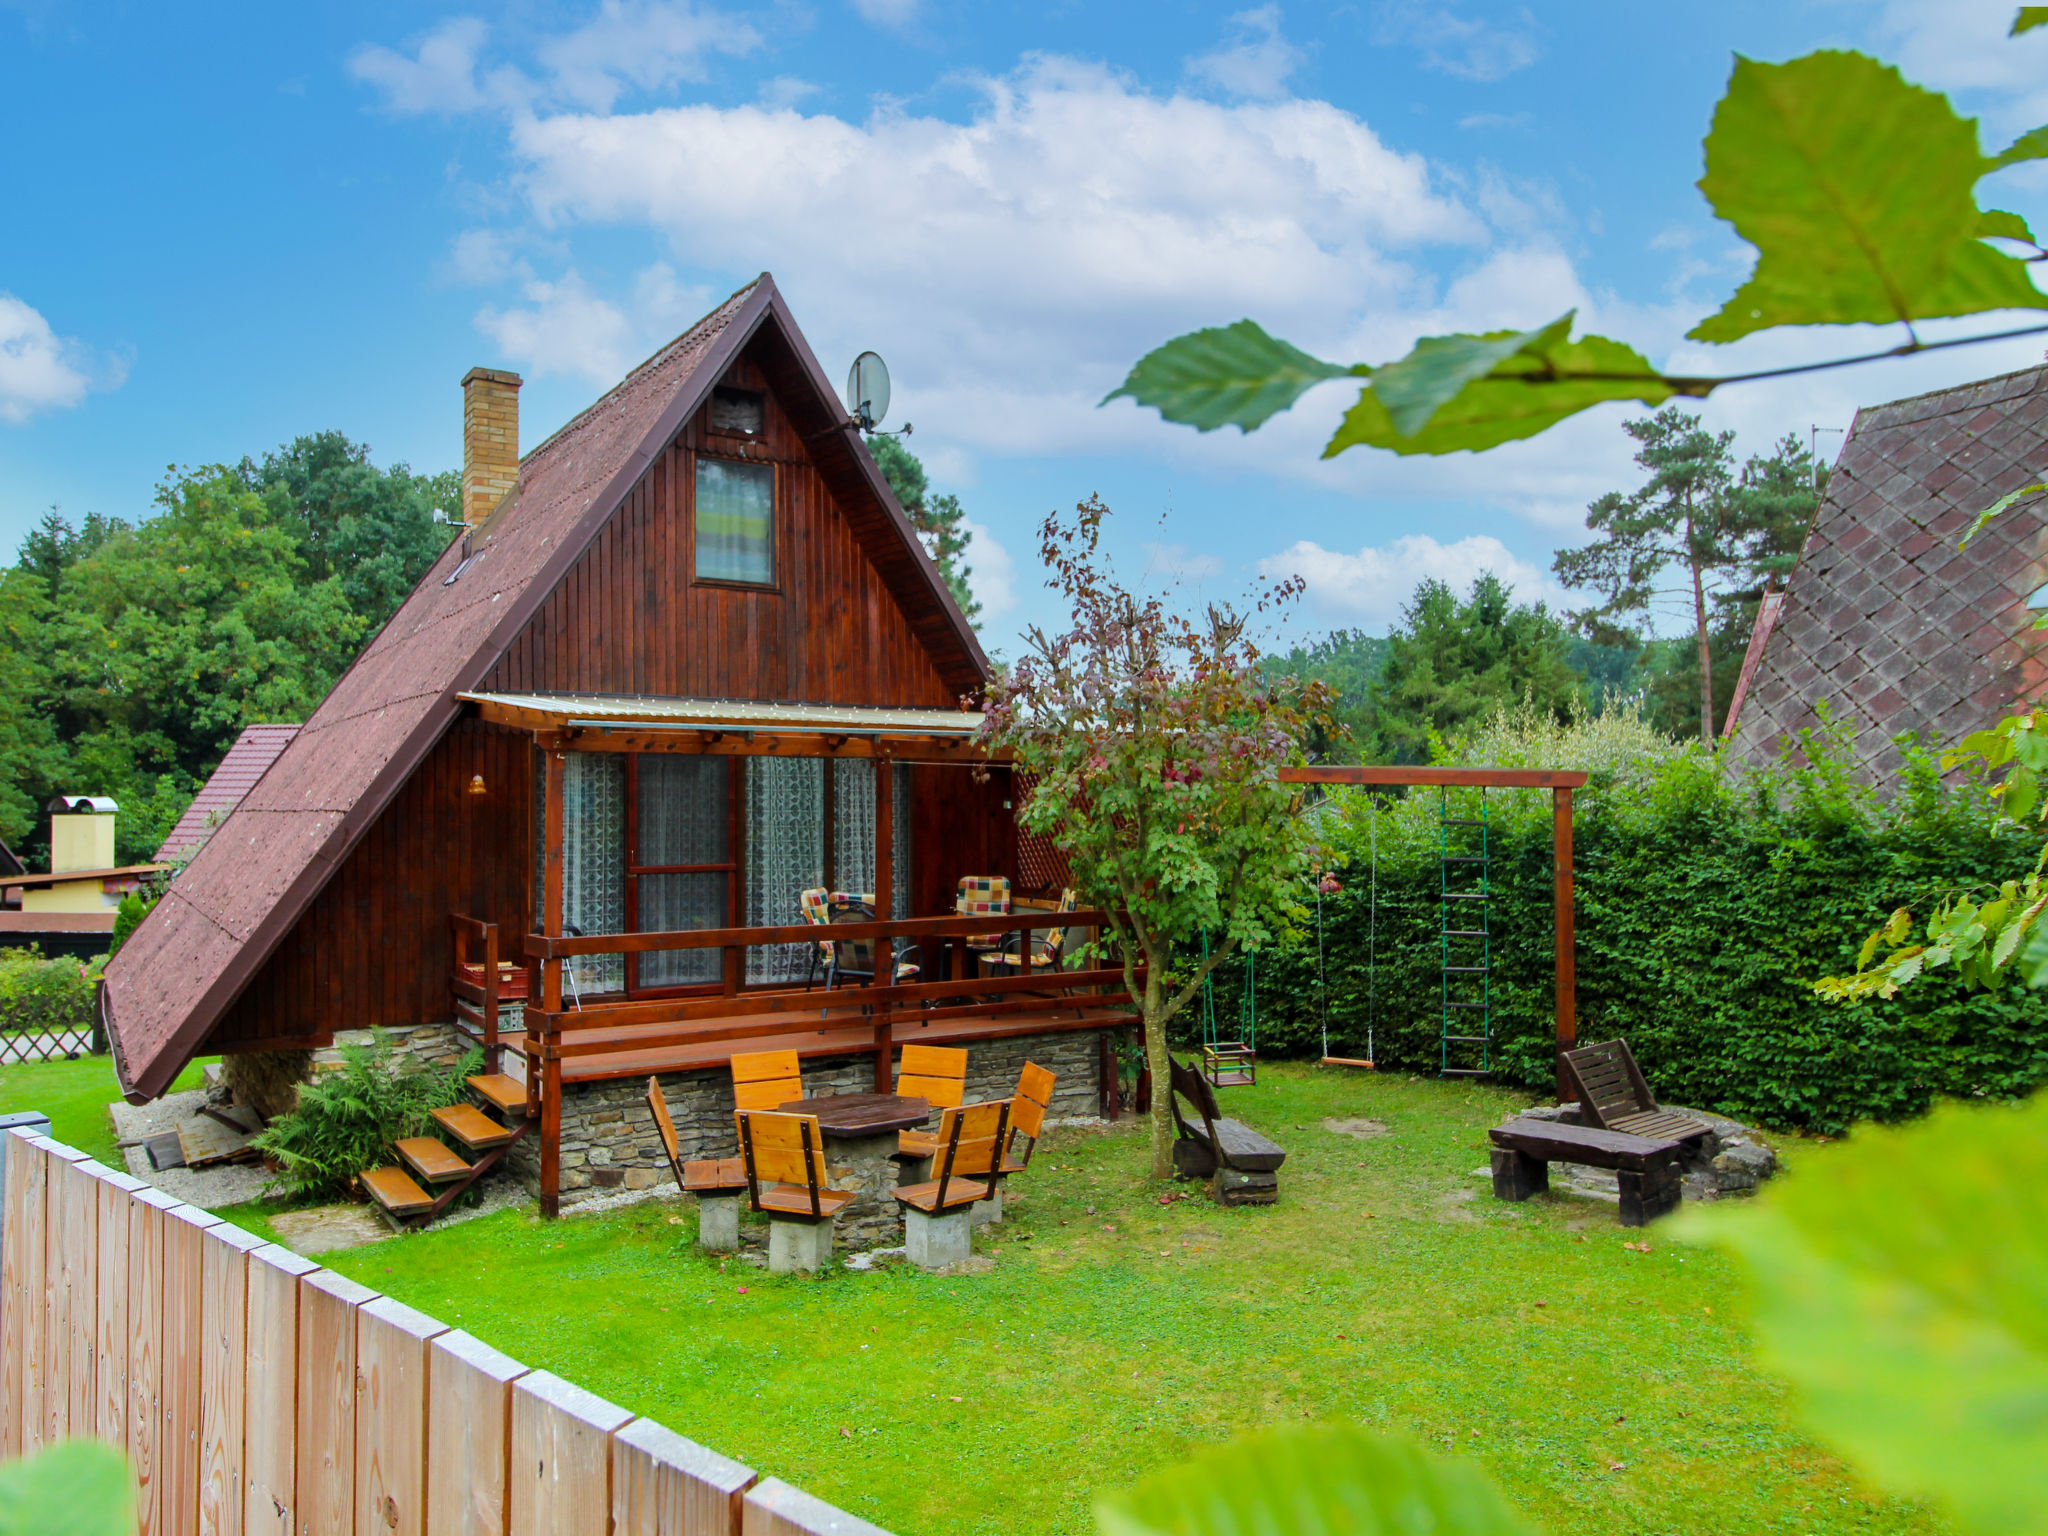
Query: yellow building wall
68, 896
80, 842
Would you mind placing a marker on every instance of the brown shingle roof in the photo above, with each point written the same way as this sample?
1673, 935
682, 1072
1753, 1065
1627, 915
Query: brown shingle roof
1887, 618
250, 881
253, 752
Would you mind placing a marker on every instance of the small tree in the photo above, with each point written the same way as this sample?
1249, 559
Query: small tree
1153, 746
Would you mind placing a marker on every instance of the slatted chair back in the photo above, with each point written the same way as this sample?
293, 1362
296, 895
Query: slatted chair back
1189, 1084
1028, 1109
658, 1107
1610, 1083
935, 1073
983, 896
971, 1142
855, 955
782, 1149
766, 1079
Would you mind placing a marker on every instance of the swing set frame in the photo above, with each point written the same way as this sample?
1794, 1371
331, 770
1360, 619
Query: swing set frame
1561, 784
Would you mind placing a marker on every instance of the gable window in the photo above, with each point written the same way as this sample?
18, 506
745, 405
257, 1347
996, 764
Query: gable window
735, 522
737, 412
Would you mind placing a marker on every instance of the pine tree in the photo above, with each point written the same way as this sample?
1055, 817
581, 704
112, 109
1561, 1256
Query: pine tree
937, 519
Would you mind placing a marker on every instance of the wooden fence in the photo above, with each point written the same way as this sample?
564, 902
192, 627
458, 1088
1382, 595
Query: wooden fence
257, 1394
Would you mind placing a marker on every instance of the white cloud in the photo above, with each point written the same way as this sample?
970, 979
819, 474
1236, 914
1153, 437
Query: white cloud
439, 77
563, 327
483, 256
42, 371
646, 44
992, 573
892, 14
785, 91
1368, 588
1178, 563
1472, 50
1256, 61
1962, 45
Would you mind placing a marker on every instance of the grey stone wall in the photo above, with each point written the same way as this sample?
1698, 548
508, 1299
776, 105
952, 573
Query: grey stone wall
609, 1141
433, 1045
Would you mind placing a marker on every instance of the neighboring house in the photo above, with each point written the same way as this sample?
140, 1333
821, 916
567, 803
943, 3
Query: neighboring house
1887, 617
687, 661
71, 909
253, 752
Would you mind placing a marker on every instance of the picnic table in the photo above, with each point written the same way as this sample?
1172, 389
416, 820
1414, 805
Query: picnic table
860, 1154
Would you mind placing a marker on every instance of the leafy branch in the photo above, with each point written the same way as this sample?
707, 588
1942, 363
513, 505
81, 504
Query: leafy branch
1857, 189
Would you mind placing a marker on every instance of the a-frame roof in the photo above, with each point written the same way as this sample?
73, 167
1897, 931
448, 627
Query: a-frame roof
223, 917
1888, 618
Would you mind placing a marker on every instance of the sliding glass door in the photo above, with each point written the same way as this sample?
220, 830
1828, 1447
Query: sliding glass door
683, 862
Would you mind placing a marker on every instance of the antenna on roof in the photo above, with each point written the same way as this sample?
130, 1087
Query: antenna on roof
867, 395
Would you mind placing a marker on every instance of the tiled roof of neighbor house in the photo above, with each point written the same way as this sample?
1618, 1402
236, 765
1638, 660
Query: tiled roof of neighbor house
1887, 617
251, 880
254, 751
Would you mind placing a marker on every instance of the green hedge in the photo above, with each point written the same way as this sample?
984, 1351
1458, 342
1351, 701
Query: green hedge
38, 994
1704, 909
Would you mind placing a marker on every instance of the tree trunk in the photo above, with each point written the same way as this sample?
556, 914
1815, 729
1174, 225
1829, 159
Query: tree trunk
1154, 1010
1699, 619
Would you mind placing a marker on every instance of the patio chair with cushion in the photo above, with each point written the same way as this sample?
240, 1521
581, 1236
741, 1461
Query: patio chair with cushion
854, 959
816, 907
983, 896
787, 1182
1048, 945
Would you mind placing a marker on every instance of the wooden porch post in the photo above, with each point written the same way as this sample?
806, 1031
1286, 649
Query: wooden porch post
551, 990
1567, 972
885, 907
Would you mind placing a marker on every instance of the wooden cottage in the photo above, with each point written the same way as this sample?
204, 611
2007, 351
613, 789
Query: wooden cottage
688, 662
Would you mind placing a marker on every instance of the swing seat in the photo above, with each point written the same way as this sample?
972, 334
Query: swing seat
1230, 1063
1346, 1061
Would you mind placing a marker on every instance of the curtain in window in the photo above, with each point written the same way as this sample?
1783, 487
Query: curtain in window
785, 857
853, 831
594, 860
735, 521
685, 818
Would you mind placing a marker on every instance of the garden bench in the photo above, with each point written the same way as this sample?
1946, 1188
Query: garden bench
717, 1182
1615, 1096
1645, 1167
1242, 1166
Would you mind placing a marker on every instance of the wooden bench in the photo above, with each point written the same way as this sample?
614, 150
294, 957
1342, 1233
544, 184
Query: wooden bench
1645, 1167
937, 1215
787, 1181
1615, 1096
717, 1182
1242, 1166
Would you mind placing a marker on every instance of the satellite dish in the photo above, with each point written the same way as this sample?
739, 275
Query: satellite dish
867, 390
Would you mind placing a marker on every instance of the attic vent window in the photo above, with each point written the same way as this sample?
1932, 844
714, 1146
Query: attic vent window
739, 412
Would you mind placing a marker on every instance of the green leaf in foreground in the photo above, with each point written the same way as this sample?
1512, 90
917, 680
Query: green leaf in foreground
1858, 191
1318, 1480
1544, 380
75, 1488
2031, 145
1229, 375
1412, 387
1901, 1282
2004, 503
2030, 17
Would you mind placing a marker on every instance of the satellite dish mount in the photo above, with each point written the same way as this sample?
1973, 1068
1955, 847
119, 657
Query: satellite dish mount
867, 396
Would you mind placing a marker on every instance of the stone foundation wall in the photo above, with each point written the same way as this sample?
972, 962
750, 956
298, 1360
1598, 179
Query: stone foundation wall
431, 1045
609, 1141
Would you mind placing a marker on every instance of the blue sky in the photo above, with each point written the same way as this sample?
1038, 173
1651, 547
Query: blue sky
227, 226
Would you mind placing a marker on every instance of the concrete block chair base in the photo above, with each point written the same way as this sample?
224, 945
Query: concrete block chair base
938, 1216
784, 1159
718, 1223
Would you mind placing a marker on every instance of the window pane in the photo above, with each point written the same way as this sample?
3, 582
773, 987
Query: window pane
735, 521
594, 861
785, 857
685, 811
676, 904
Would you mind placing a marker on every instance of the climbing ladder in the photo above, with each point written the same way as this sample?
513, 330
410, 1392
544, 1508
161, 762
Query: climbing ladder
1465, 926
444, 1170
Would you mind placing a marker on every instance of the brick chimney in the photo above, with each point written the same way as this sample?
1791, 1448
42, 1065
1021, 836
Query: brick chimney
490, 440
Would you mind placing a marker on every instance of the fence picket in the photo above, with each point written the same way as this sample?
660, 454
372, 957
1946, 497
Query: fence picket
223, 1382
270, 1468
392, 1371
19, 1305
145, 1359
81, 1183
774, 1508
180, 1356
469, 1432
110, 1366
327, 1402
665, 1485
61, 1243
561, 1458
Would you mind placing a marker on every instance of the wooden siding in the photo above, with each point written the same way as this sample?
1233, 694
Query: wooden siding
631, 617
374, 947
958, 826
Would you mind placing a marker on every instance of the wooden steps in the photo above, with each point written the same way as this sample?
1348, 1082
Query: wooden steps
390, 1188
472, 1127
505, 1094
432, 1160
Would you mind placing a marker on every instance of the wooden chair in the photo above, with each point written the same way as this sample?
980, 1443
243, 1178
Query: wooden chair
766, 1079
1614, 1096
1046, 951
937, 1221
983, 896
1027, 1119
717, 1182
784, 1158
937, 1074
855, 958
1243, 1167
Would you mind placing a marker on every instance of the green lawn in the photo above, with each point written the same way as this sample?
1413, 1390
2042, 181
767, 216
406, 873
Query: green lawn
75, 1095
1605, 1388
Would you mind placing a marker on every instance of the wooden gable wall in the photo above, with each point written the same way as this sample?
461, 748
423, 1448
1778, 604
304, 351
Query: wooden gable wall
631, 617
